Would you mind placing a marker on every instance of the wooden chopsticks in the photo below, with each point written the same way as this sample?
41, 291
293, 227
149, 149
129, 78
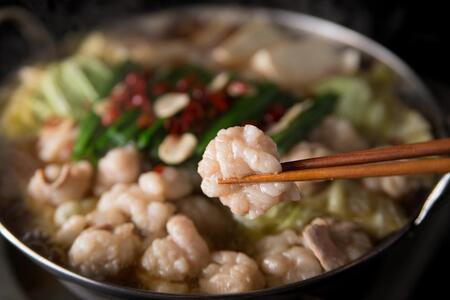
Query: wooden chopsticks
359, 164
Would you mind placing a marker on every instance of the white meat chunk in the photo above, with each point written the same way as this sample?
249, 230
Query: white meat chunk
56, 184
70, 208
56, 140
338, 134
335, 243
180, 255
150, 217
119, 165
393, 186
112, 217
231, 272
211, 219
284, 259
160, 185
101, 253
304, 150
238, 152
70, 230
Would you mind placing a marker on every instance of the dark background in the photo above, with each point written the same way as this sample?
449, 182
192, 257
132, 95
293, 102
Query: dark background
417, 32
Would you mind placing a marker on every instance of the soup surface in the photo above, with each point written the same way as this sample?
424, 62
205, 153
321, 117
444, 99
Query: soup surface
112, 133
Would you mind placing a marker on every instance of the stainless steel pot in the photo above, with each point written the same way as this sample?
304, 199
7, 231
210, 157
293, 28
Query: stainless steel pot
415, 92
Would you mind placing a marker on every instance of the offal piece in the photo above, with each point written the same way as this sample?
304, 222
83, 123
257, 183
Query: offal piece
335, 243
148, 215
56, 184
284, 259
238, 152
160, 185
101, 253
338, 134
393, 186
180, 255
304, 150
56, 140
112, 217
231, 272
213, 222
119, 165
70, 230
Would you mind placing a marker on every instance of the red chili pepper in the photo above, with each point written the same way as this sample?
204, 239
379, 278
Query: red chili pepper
139, 100
159, 168
110, 115
274, 113
237, 88
131, 78
185, 83
144, 120
136, 82
198, 92
219, 102
159, 88
120, 94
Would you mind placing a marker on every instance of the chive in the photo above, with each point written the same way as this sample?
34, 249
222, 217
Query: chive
111, 136
298, 129
89, 126
146, 137
118, 73
247, 108
154, 147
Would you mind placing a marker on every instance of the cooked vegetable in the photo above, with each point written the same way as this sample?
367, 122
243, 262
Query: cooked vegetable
118, 133
354, 97
147, 136
304, 122
90, 127
343, 199
248, 108
61, 89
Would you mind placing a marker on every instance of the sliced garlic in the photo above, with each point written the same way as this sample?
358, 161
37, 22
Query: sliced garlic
219, 82
170, 104
176, 149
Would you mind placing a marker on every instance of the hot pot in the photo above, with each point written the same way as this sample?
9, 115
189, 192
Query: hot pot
416, 95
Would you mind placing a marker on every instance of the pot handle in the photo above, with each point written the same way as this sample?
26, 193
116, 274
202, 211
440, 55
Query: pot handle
437, 195
32, 30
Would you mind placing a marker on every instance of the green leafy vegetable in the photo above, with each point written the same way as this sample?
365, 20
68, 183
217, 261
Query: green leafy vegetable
118, 133
248, 108
89, 126
298, 129
146, 137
